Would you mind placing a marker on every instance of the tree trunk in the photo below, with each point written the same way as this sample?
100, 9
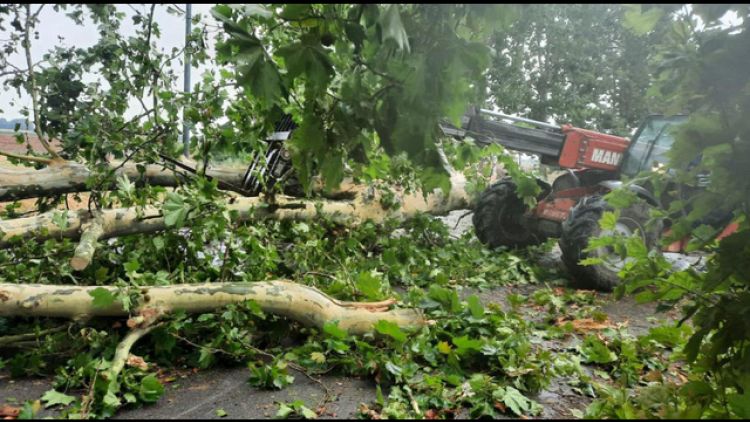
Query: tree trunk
304, 304
61, 177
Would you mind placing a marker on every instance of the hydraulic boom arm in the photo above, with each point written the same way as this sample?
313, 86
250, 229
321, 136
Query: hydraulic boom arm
566, 146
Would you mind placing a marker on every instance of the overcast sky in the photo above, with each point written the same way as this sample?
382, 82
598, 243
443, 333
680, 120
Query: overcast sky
55, 24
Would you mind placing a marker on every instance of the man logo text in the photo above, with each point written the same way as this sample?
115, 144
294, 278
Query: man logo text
606, 157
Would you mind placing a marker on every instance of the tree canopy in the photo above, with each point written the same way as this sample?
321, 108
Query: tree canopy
574, 63
358, 78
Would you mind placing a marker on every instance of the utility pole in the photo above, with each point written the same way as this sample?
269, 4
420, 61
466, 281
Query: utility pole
185, 126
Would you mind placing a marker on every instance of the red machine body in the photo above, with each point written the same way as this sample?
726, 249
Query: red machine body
557, 205
582, 149
588, 149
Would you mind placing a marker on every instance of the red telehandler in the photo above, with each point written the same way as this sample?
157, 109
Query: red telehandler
570, 208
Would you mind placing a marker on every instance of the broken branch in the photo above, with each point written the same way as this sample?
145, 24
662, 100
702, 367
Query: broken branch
304, 304
11, 340
366, 205
91, 232
123, 351
31, 158
34, 91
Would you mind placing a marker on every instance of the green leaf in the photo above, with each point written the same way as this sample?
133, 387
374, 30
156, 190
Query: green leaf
332, 170
30, 410
636, 248
253, 10
309, 58
103, 298
221, 413
175, 210
740, 404
475, 306
392, 28
513, 399
641, 22
284, 411
693, 345
667, 335
368, 285
221, 11
595, 351
295, 11
355, 33
151, 389
393, 368
131, 266
258, 74
158, 242
307, 141
301, 227
333, 330
621, 198
111, 400
53, 398
240, 34
645, 296
447, 297
318, 357
129, 398
391, 329
608, 220
464, 344
60, 218
433, 179
125, 186
307, 413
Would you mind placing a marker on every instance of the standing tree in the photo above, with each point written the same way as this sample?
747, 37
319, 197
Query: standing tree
574, 63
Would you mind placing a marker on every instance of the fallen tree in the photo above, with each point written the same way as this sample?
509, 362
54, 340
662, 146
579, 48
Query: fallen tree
304, 304
60, 176
366, 203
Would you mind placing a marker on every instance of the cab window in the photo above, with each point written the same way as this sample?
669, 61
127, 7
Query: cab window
651, 144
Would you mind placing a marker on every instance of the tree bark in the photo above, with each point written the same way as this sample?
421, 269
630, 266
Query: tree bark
91, 232
304, 304
33, 90
66, 177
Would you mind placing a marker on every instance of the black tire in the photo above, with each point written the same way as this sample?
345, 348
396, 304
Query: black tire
582, 224
293, 187
499, 218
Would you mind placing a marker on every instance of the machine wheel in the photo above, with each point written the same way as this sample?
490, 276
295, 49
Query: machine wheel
499, 217
583, 224
293, 187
